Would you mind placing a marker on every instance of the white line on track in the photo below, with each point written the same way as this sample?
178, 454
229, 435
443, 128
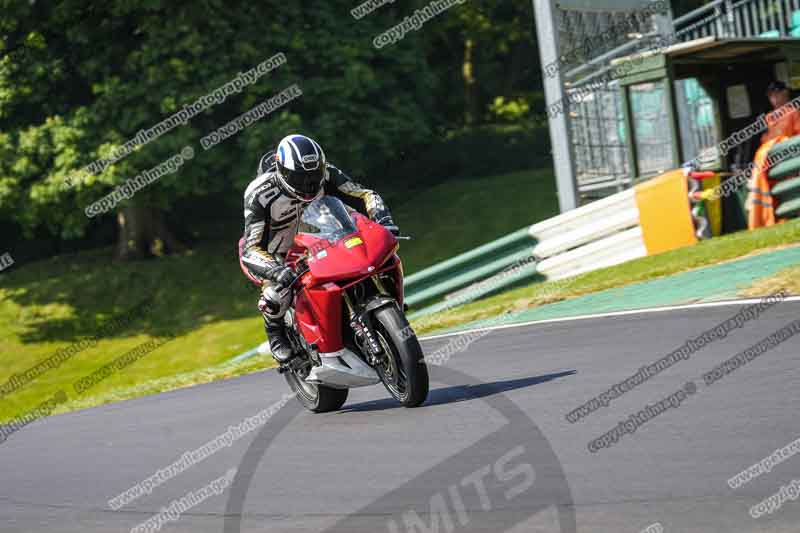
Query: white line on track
646, 311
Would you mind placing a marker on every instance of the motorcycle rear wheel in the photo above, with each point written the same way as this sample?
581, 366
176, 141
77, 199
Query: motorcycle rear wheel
404, 373
316, 398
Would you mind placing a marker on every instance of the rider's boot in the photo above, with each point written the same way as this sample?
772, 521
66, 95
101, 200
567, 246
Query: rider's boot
279, 344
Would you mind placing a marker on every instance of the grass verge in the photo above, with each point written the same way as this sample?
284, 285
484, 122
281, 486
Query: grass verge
200, 299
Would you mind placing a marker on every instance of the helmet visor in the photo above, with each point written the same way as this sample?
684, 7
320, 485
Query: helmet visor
305, 182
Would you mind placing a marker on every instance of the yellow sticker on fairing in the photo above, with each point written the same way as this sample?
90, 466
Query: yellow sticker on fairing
355, 241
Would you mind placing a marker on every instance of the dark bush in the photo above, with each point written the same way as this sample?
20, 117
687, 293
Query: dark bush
477, 152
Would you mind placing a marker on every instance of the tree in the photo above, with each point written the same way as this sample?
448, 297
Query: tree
489, 50
78, 80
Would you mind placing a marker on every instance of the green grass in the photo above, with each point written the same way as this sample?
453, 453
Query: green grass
704, 254
201, 298
457, 216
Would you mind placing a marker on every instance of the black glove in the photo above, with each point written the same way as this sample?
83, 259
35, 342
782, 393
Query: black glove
283, 276
388, 223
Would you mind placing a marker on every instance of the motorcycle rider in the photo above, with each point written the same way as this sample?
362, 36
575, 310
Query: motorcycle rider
288, 180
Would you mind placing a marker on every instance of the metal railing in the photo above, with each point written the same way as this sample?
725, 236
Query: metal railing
743, 18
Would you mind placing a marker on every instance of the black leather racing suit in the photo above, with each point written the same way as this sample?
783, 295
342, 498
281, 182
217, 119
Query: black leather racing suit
272, 218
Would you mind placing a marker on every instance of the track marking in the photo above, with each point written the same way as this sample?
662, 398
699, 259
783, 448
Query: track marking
645, 311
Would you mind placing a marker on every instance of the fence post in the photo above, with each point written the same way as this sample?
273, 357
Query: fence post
563, 159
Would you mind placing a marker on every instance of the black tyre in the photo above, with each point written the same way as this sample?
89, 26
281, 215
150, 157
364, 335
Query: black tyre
316, 398
404, 373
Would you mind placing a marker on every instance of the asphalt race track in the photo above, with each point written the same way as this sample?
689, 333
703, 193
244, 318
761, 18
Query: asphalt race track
490, 451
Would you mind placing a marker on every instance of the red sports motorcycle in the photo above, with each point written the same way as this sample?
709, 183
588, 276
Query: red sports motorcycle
347, 323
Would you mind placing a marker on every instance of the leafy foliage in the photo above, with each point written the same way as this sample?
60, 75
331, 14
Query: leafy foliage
79, 79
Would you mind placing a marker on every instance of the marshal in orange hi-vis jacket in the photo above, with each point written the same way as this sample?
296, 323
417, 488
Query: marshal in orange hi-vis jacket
760, 201
784, 122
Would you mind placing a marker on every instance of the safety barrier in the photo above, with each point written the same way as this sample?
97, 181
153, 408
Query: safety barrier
593, 236
650, 218
787, 192
467, 268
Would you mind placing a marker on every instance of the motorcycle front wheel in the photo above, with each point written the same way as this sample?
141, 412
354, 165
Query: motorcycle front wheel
402, 370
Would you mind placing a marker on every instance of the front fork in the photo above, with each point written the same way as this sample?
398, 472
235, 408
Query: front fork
365, 336
363, 325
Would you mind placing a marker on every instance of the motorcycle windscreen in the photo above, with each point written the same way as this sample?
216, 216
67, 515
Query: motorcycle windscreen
327, 218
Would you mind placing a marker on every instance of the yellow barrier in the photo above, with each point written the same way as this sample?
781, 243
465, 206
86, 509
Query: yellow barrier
713, 207
664, 213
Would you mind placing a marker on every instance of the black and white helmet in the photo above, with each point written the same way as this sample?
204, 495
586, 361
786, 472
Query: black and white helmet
302, 167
